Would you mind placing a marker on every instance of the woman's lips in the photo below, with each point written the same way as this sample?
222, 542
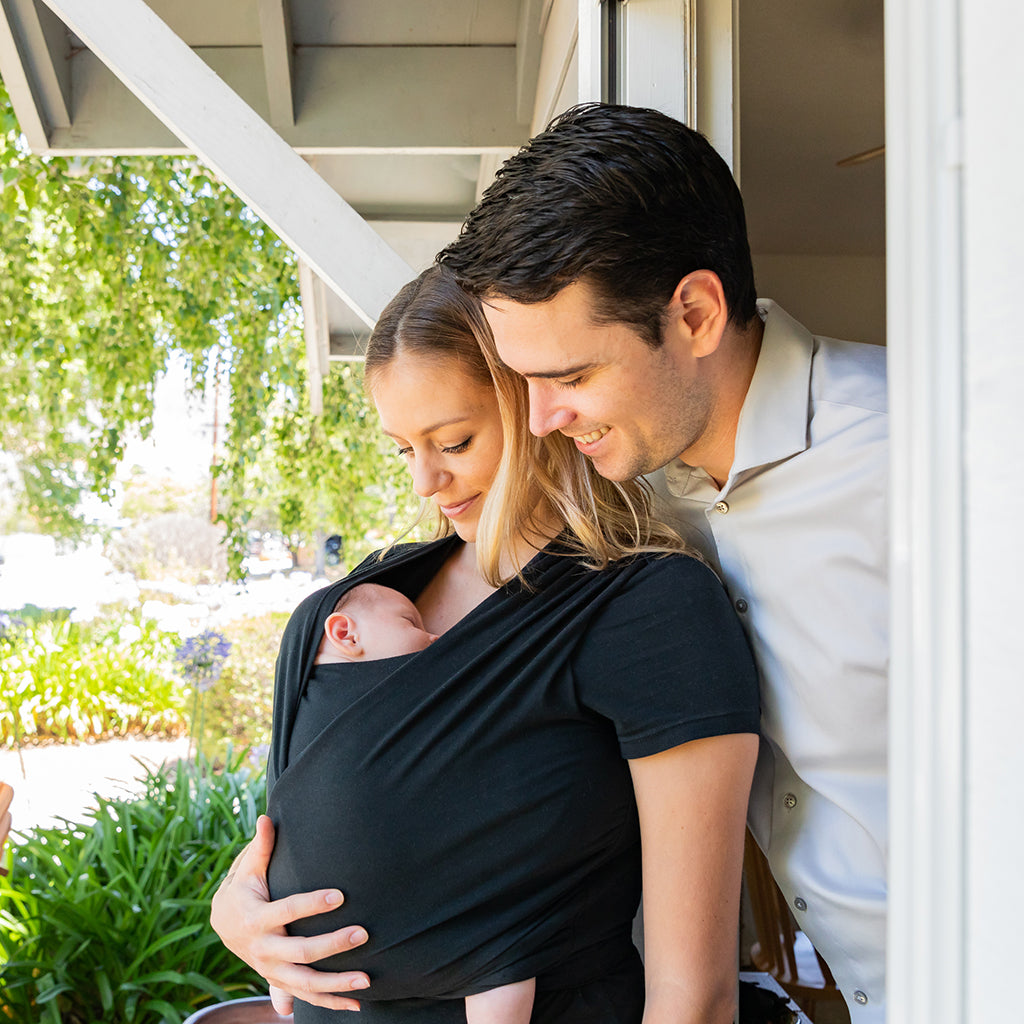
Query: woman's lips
455, 510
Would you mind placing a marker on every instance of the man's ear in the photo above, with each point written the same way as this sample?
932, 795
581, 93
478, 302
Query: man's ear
699, 312
340, 631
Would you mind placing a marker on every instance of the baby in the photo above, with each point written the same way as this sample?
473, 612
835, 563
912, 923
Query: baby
371, 622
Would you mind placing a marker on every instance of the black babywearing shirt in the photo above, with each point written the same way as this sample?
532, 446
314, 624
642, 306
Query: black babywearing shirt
472, 800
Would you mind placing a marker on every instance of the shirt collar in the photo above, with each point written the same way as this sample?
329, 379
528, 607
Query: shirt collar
773, 420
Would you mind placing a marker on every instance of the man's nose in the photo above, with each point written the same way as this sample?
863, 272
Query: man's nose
546, 412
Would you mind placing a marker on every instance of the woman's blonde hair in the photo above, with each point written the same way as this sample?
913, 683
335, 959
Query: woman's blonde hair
537, 477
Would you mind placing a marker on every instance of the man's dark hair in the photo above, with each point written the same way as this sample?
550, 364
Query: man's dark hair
626, 199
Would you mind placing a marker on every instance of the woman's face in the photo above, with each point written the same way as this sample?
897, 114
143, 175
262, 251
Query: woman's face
447, 428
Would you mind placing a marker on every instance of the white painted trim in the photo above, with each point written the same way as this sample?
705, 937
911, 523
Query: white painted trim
657, 53
255, 162
590, 53
276, 35
993, 383
928, 693
716, 73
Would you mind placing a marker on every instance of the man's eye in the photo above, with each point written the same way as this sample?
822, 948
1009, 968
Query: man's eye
455, 449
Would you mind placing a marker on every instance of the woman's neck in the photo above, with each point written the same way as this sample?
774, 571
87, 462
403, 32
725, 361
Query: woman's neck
545, 527
456, 589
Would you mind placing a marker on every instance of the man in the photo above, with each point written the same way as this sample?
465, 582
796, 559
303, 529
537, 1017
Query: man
612, 259
611, 255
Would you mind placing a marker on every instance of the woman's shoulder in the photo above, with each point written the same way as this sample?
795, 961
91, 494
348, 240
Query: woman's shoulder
660, 568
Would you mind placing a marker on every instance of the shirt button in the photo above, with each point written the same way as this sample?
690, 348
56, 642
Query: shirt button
722, 506
800, 903
741, 606
789, 800
860, 997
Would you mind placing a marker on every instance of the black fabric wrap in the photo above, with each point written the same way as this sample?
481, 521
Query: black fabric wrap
473, 800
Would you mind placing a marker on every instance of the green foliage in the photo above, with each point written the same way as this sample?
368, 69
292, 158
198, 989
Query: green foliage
107, 268
238, 709
338, 471
109, 920
63, 681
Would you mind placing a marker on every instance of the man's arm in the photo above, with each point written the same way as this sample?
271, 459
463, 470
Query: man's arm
252, 926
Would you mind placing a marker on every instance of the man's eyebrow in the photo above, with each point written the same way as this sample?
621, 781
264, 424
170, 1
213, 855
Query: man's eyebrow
565, 371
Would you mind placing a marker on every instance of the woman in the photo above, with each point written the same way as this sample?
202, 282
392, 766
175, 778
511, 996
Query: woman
489, 831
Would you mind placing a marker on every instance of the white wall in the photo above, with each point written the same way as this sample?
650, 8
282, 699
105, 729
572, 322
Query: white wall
837, 296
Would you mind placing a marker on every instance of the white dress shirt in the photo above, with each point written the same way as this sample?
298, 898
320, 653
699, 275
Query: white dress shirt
799, 535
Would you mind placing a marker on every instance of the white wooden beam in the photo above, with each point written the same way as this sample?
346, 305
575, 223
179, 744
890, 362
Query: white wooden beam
489, 164
276, 32
561, 30
384, 107
16, 61
252, 159
317, 335
528, 48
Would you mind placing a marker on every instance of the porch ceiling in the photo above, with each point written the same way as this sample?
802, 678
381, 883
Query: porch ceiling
406, 107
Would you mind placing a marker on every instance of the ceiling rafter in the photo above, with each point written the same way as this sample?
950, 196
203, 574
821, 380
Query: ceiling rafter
39, 87
278, 62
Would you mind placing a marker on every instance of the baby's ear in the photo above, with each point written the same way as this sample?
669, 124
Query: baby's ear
340, 631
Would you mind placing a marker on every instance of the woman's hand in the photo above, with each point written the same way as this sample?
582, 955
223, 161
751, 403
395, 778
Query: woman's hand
252, 926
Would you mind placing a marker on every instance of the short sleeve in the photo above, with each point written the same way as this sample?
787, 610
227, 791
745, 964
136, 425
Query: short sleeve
666, 659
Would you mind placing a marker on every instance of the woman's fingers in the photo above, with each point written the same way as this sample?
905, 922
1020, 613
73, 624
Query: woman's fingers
317, 987
252, 926
298, 949
278, 913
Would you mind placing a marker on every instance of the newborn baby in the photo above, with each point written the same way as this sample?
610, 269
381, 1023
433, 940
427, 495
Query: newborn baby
370, 622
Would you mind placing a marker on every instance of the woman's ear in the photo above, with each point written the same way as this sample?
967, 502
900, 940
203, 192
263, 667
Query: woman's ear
340, 632
699, 312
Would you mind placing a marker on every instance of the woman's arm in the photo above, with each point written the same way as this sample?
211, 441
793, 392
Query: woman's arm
252, 926
692, 801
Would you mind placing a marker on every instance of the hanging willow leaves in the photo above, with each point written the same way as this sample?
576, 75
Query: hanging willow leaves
108, 266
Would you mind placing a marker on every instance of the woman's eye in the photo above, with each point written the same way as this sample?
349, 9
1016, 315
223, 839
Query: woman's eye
456, 448
575, 382
404, 452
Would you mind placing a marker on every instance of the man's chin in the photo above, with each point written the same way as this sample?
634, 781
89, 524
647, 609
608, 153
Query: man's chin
619, 472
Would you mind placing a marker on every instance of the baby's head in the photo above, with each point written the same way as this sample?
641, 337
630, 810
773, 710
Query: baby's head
370, 622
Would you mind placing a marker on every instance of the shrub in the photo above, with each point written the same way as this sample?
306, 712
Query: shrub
238, 708
171, 546
63, 681
109, 920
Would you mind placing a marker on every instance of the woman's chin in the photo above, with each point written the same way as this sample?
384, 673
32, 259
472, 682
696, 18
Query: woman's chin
466, 531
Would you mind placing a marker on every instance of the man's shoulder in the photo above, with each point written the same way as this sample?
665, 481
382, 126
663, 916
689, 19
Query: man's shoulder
850, 373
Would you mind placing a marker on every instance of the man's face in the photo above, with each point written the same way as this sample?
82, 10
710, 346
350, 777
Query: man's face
629, 407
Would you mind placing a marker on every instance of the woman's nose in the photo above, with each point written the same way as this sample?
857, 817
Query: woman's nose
428, 477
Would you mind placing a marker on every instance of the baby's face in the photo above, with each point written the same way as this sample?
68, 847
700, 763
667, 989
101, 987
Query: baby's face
388, 623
